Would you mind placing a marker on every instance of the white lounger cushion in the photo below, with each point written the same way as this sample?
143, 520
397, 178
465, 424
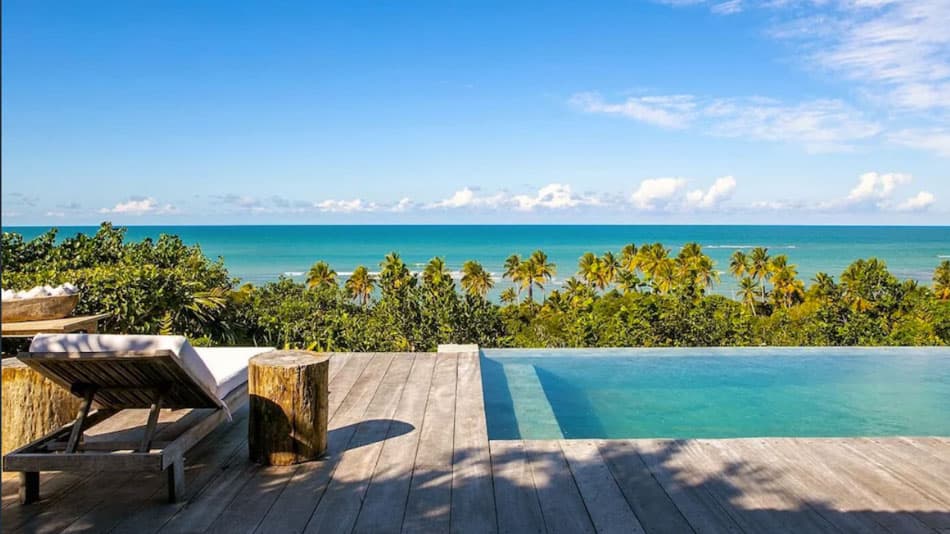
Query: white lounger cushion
218, 369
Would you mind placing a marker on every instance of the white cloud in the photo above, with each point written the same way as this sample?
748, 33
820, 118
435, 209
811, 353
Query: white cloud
817, 125
933, 140
894, 55
140, 206
920, 201
345, 206
729, 7
901, 47
551, 196
59, 214
460, 199
876, 186
656, 191
667, 111
718, 192
404, 205
876, 190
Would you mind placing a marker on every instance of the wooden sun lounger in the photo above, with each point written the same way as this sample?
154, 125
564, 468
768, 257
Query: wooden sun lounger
127, 430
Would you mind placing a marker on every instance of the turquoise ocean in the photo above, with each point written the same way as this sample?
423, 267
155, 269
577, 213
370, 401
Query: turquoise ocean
263, 253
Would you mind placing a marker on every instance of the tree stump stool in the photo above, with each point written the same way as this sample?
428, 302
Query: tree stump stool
33, 405
288, 402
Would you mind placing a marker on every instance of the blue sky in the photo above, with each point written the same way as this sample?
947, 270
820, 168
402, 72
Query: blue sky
677, 111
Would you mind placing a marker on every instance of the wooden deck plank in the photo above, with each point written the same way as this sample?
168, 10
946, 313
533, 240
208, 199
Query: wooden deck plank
562, 505
430, 492
516, 500
935, 449
201, 510
54, 516
341, 502
209, 459
841, 490
926, 474
868, 474
252, 502
755, 492
385, 501
344, 380
302, 493
805, 487
644, 494
52, 485
107, 513
56, 488
668, 464
605, 502
337, 361
473, 502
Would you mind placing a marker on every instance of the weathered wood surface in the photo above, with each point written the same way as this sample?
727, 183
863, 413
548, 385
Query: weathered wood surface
66, 325
406, 443
288, 395
38, 308
125, 379
33, 405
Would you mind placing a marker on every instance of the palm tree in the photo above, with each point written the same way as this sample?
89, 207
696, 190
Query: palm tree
511, 265
866, 282
557, 301
587, 267
542, 271
942, 280
628, 281
695, 268
691, 251
393, 272
759, 267
609, 267
509, 295
321, 276
787, 288
476, 281
360, 285
435, 273
748, 292
514, 270
664, 276
704, 272
650, 258
739, 264
524, 277
628, 257
824, 286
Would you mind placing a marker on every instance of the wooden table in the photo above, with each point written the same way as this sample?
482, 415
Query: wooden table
84, 323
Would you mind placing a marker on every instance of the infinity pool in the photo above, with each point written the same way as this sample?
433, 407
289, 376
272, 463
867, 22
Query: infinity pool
716, 393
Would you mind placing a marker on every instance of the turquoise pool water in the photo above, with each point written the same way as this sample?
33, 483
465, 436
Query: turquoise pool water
716, 393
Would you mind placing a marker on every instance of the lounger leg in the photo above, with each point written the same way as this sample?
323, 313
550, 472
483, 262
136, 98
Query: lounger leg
76, 435
152, 421
29, 487
176, 480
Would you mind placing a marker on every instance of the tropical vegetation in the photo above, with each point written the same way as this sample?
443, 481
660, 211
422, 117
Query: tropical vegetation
649, 295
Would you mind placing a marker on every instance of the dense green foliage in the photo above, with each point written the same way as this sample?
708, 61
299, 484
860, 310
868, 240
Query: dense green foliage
644, 296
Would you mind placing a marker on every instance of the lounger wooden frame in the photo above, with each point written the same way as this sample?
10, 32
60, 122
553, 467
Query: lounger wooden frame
117, 384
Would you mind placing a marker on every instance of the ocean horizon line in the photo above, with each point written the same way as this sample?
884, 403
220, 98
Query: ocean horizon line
481, 225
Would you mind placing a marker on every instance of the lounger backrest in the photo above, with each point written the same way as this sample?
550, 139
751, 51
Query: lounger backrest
126, 370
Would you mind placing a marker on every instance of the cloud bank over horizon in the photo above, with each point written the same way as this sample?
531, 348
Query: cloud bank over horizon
871, 192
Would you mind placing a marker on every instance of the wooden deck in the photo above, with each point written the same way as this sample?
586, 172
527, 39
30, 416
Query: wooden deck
409, 452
